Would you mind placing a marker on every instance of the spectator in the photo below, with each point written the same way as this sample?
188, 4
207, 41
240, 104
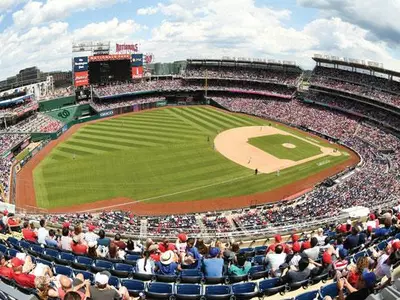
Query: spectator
167, 264
364, 288
102, 290
14, 223
103, 240
293, 259
191, 258
325, 267
320, 237
90, 236
51, 240
213, 266
92, 249
313, 252
118, 242
384, 231
298, 275
42, 232
145, 264
28, 233
355, 273
77, 246
275, 259
341, 263
241, 267
66, 240
353, 240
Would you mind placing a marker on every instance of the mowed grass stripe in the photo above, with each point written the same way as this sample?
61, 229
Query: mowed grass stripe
120, 142
149, 119
192, 123
246, 121
73, 150
221, 118
132, 135
95, 145
163, 135
159, 127
189, 115
210, 119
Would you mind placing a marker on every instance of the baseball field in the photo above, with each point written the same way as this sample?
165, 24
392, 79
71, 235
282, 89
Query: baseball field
177, 155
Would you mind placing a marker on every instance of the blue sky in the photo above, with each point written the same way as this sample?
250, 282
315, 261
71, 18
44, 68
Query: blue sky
41, 32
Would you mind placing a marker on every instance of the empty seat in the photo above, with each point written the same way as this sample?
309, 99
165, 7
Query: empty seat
86, 274
134, 287
143, 276
187, 291
166, 278
245, 291
159, 290
307, 296
257, 272
259, 259
82, 262
215, 280
237, 278
101, 265
260, 250
191, 276
65, 258
11, 252
122, 270
43, 261
50, 254
329, 290
63, 270
218, 292
269, 287
3, 249
114, 281
296, 285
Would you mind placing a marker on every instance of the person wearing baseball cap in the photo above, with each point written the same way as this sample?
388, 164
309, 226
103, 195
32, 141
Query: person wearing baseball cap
364, 287
102, 290
26, 280
325, 267
214, 264
292, 259
167, 264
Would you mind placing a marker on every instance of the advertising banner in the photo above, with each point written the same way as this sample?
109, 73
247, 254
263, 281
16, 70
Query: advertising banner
137, 72
106, 113
81, 78
137, 60
127, 47
81, 64
109, 57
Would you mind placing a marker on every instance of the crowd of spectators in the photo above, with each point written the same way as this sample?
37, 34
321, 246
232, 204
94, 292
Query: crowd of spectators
366, 88
364, 79
361, 255
19, 108
105, 105
381, 116
38, 122
126, 88
58, 93
242, 73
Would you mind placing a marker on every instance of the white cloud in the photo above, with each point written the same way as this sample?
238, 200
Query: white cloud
377, 16
49, 47
147, 11
36, 13
1, 18
5, 5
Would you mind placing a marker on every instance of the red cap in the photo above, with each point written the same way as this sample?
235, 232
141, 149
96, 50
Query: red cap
396, 245
182, 237
278, 238
369, 228
5, 212
91, 227
295, 237
16, 262
307, 245
327, 258
296, 247
372, 217
272, 247
66, 224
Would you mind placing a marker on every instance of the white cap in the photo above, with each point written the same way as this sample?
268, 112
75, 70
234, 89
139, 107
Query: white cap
101, 278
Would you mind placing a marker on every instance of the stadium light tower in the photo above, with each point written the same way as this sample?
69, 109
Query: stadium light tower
96, 48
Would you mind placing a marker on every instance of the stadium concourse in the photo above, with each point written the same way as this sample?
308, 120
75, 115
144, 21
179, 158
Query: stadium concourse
199, 251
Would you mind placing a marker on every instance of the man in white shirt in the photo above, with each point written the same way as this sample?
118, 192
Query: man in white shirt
320, 237
275, 259
90, 236
313, 252
43, 233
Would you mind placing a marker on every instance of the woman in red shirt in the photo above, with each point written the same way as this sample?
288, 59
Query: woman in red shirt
28, 233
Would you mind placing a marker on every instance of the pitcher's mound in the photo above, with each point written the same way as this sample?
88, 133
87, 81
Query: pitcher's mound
288, 145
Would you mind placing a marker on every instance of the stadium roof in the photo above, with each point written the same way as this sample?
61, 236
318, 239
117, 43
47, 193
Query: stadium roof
361, 64
249, 61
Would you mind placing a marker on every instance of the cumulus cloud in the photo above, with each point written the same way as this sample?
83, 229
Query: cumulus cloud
377, 16
36, 13
147, 11
49, 46
6, 5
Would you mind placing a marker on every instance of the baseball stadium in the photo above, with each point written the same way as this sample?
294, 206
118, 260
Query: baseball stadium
204, 178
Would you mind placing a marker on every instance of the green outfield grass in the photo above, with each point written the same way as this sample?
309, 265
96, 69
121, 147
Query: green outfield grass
273, 144
157, 156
